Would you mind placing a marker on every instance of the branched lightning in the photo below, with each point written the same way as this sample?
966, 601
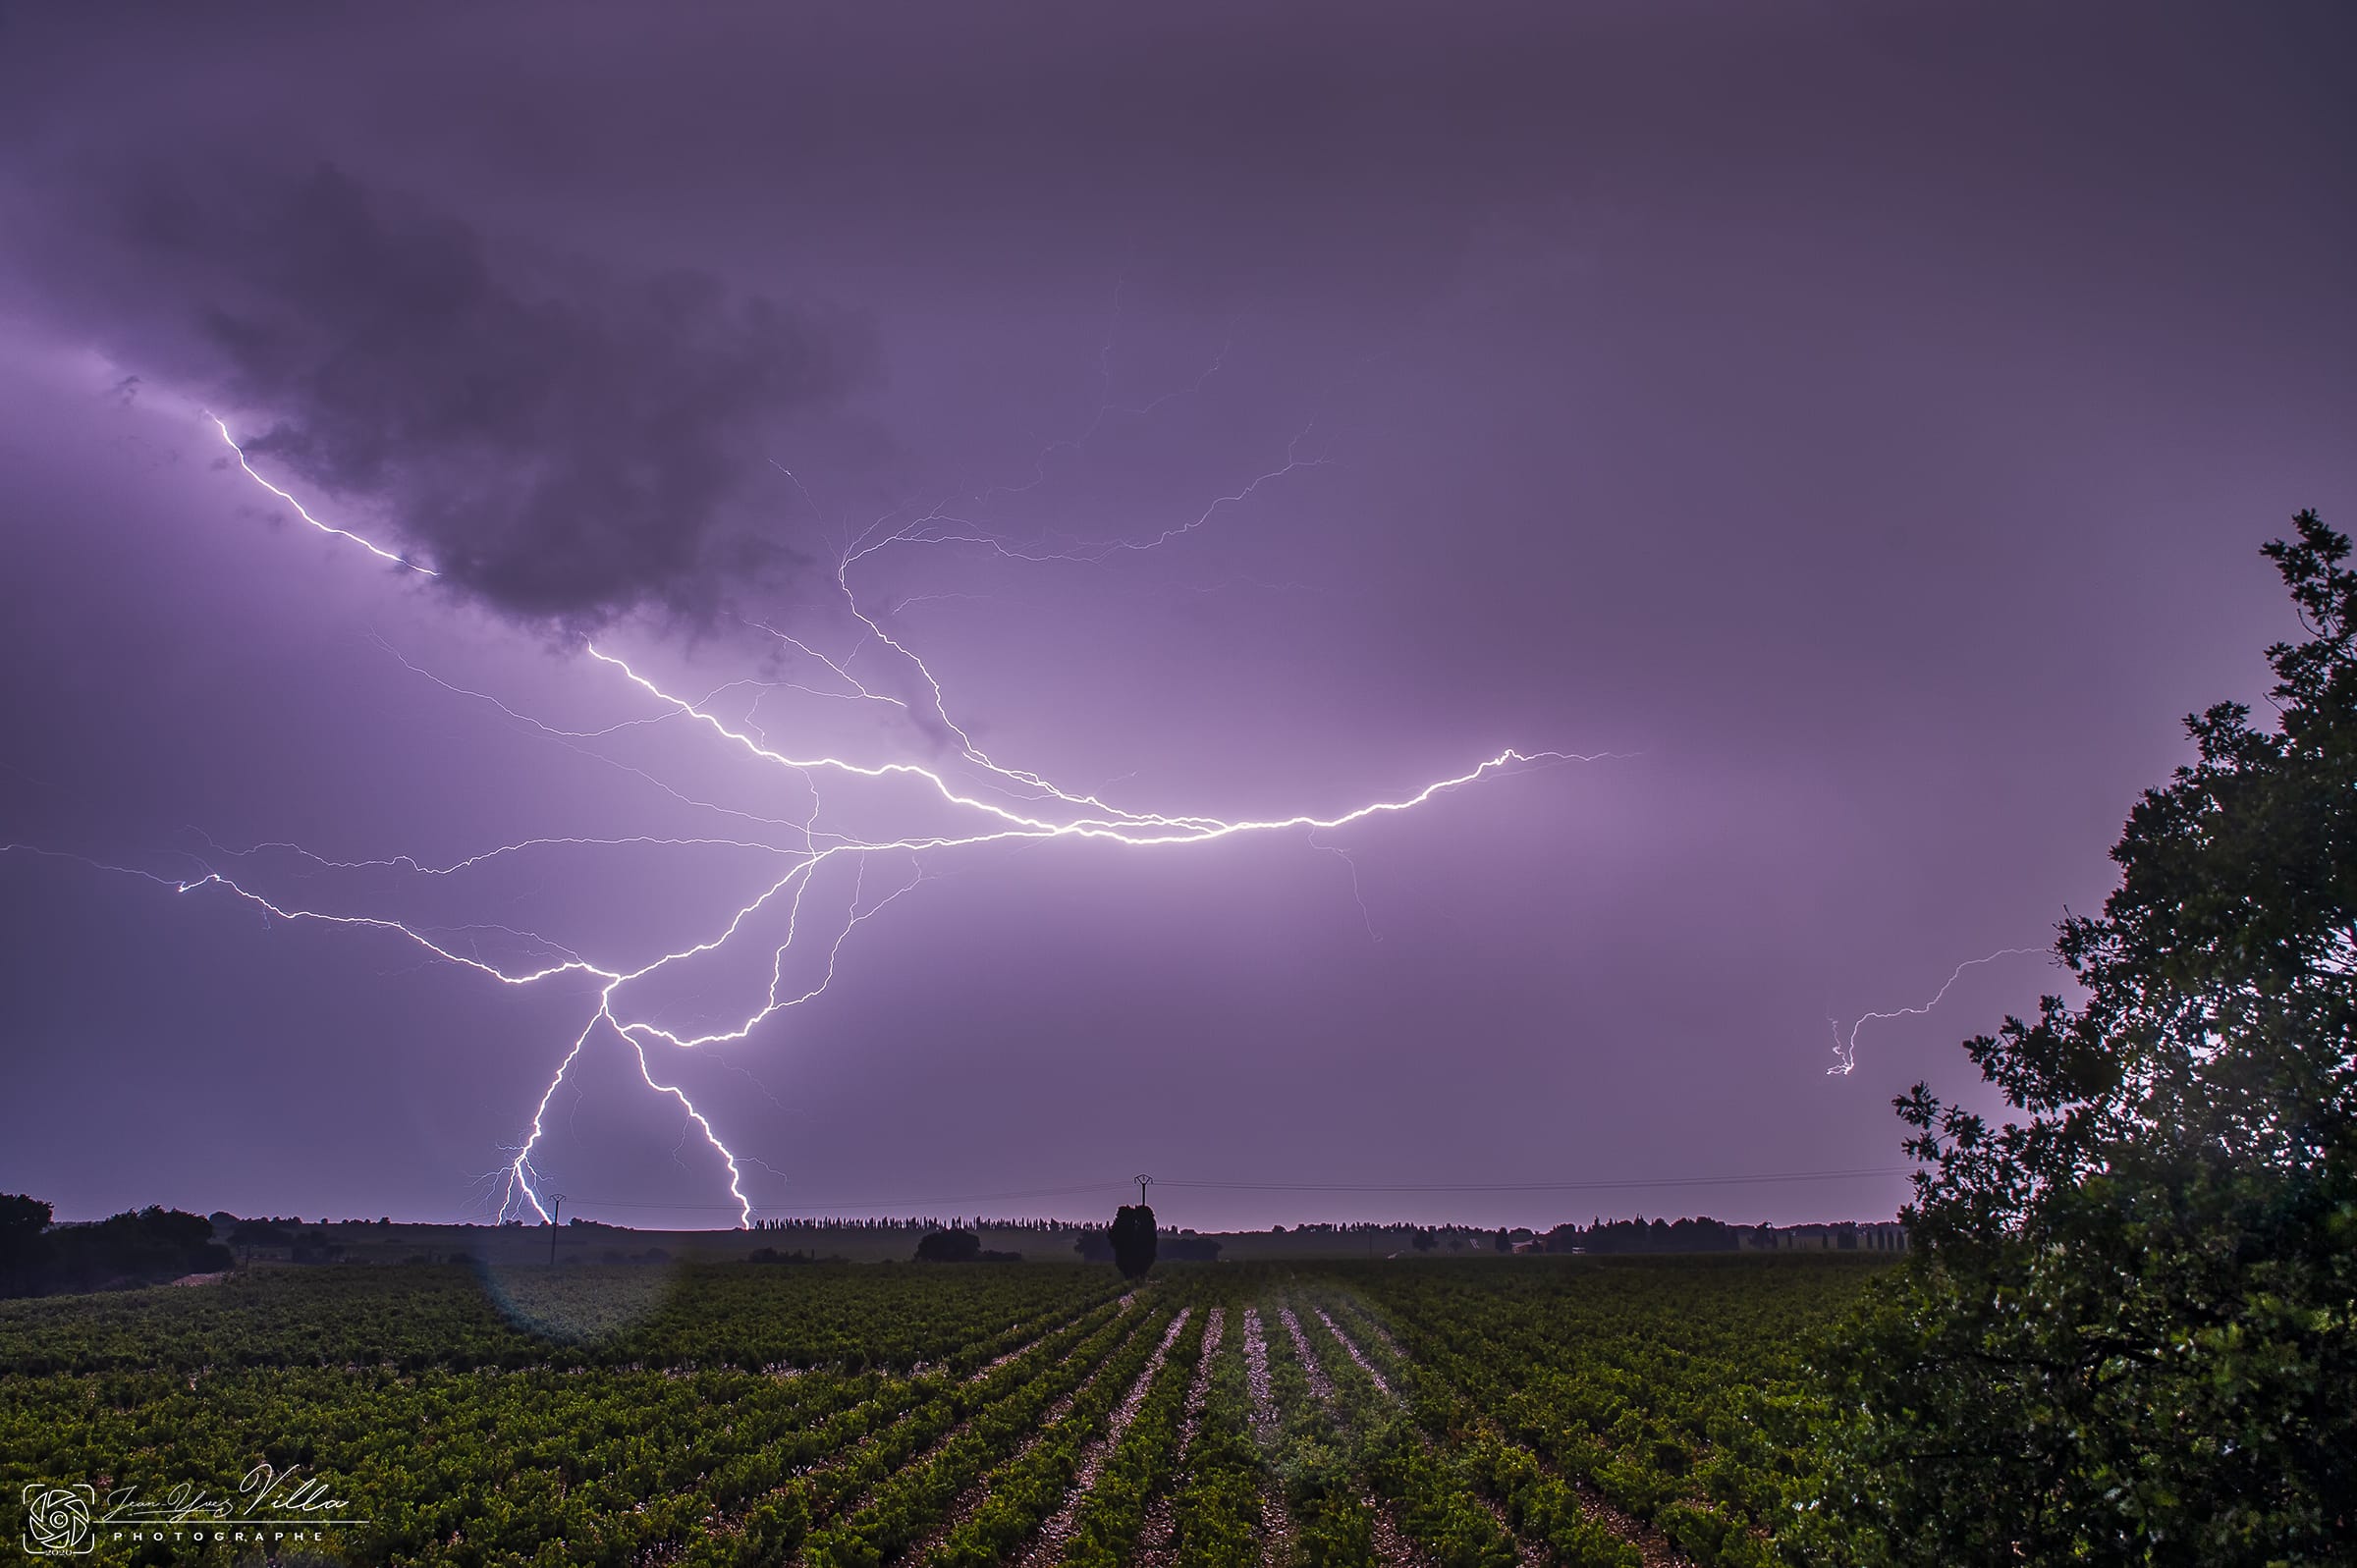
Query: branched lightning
983, 803
1357, 895
1846, 1045
939, 527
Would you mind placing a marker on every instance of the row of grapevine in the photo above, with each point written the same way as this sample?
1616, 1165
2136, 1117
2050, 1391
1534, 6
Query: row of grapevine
1217, 1516
1109, 1523
1656, 1394
1333, 1524
1539, 1505
911, 1498
477, 1467
911, 1422
1424, 1484
694, 1316
1453, 1414
1019, 1496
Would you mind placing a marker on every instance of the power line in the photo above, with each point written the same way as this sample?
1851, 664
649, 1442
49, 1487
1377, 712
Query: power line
1759, 1179
1539, 1186
873, 1203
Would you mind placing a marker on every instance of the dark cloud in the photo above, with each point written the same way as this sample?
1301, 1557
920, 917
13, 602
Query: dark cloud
566, 441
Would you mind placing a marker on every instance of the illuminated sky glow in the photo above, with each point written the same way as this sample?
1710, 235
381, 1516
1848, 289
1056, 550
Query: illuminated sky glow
916, 617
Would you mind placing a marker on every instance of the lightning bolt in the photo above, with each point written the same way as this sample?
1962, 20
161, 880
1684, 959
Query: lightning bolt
1357, 895
937, 526
302, 511
994, 802
1845, 1046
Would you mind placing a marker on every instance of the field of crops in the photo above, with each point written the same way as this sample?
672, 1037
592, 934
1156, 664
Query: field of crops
1461, 1413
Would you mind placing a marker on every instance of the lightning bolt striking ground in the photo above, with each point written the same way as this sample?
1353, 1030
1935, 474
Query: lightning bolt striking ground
985, 801
1845, 1046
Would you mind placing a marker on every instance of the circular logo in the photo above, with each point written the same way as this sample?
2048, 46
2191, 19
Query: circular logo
57, 1519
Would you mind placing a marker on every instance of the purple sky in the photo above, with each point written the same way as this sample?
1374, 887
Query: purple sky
1861, 423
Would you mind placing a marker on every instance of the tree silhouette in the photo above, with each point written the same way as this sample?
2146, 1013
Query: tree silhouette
2124, 1334
949, 1246
1132, 1238
127, 1249
22, 1221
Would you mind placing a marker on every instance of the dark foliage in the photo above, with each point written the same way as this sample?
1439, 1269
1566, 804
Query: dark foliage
23, 1220
1132, 1239
949, 1246
1097, 1247
38, 1258
1703, 1234
2126, 1336
312, 1246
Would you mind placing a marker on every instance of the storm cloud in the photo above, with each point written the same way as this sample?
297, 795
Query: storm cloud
567, 441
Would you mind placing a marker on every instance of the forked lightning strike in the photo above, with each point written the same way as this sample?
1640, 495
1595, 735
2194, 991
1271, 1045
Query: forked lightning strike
1846, 1047
1029, 807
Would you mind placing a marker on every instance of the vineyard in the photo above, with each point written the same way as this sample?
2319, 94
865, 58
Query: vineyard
1608, 1412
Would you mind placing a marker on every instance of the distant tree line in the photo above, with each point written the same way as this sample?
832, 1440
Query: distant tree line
1096, 1246
40, 1258
1703, 1234
246, 1237
1424, 1238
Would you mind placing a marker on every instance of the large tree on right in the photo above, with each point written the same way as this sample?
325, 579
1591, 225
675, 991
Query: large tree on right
2129, 1330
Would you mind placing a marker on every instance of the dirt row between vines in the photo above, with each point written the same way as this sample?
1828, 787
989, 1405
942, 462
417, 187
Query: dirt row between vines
1158, 1537
1525, 1555
1392, 1546
1050, 1325
1276, 1523
733, 1522
1048, 1545
974, 1495
1351, 1349
1650, 1543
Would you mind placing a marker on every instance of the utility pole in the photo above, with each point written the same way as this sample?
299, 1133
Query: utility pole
1144, 1183
558, 1199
